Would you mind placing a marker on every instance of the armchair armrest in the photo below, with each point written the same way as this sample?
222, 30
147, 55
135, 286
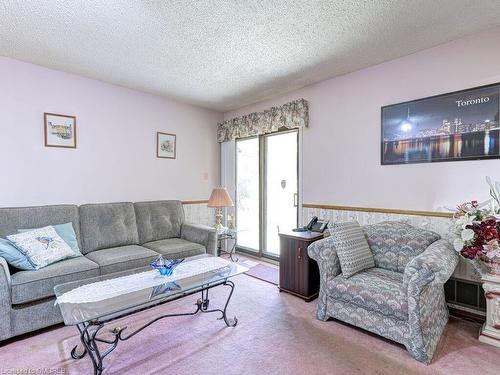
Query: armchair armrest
201, 234
436, 264
324, 253
5, 301
424, 277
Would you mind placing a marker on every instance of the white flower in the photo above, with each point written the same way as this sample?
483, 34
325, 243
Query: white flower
463, 221
467, 234
458, 244
492, 249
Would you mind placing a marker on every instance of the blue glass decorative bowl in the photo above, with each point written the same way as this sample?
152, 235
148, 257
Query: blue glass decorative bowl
165, 267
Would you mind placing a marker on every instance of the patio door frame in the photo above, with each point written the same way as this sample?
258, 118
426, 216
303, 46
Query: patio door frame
263, 188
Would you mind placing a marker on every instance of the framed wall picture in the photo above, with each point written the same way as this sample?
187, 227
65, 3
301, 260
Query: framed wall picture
165, 145
461, 125
60, 130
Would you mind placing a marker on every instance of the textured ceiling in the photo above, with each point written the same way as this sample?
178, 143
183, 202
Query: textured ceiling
226, 54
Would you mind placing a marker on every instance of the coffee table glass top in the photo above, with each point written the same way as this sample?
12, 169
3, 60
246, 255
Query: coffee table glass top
109, 296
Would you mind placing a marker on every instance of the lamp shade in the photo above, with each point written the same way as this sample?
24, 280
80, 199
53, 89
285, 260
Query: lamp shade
220, 198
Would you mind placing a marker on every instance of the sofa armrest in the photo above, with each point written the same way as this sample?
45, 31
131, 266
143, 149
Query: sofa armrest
5, 300
436, 264
201, 234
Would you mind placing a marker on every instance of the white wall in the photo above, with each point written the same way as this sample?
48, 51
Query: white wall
116, 155
341, 152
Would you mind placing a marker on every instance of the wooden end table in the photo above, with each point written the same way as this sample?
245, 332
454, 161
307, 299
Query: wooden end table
299, 274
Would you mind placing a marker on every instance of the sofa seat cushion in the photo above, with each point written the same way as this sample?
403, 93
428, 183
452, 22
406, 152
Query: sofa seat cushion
175, 248
116, 259
30, 286
375, 289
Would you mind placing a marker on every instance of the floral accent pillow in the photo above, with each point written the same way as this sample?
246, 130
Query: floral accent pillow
41, 246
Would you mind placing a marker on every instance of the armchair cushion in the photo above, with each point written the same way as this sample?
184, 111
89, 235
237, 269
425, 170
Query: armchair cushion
373, 289
352, 248
394, 243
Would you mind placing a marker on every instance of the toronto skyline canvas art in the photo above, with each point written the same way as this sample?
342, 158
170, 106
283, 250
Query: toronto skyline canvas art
462, 125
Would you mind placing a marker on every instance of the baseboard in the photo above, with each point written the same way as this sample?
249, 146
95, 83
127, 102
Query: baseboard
467, 314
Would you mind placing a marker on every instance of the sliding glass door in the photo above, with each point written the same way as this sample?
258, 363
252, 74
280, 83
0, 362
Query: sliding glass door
280, 187
247, 194
266, 190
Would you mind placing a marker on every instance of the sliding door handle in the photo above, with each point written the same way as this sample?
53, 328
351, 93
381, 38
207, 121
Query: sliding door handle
295, 199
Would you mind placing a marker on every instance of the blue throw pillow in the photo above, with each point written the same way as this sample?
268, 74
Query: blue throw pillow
67, 233
13, 256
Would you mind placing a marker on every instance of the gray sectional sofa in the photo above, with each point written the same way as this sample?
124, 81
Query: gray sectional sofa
113, 237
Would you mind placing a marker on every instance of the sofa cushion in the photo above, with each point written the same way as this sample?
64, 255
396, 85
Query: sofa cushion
176, 248
42, 246
122, 258
352, 248
374, 289
13, 219
394, 244
34, 285
107, 225
13, 256
158, 220
67, 233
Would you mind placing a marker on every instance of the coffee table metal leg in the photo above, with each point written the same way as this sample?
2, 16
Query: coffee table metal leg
89, 331
74, 351
88, 338
230, 322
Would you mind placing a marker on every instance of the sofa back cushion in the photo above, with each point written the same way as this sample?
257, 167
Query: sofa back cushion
107, 225
394, 243
13, 219
159, 220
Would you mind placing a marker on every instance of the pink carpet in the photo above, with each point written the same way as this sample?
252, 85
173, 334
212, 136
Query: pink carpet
276, 334
265, 273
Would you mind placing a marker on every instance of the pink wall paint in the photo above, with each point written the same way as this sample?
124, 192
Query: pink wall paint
116, 155
341, 151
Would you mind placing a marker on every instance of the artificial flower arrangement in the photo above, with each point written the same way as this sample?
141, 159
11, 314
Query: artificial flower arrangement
478, 228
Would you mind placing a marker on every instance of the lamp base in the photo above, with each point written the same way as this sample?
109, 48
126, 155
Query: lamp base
218, 221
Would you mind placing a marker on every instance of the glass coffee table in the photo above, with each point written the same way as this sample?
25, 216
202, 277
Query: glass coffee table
92, 304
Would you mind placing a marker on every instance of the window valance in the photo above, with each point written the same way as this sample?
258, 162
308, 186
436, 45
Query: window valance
291, 115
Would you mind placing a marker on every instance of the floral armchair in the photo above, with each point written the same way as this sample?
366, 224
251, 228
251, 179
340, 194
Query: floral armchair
402, 298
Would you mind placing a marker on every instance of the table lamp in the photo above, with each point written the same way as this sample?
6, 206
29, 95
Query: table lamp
219, 199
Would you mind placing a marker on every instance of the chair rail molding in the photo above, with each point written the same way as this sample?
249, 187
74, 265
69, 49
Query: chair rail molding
196, 211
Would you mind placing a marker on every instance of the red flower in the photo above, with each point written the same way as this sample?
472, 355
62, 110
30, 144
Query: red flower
470, 252
490, 222
490, 233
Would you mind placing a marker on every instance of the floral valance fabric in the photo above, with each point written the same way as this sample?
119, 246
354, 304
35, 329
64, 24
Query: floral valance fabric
290, 115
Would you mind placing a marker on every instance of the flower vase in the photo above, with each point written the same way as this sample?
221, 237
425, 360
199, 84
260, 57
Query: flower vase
492, 265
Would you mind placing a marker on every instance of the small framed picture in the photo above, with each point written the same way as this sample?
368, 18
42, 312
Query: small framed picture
60, 130
165, 145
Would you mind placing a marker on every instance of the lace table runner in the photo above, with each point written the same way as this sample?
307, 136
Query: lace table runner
105, 289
